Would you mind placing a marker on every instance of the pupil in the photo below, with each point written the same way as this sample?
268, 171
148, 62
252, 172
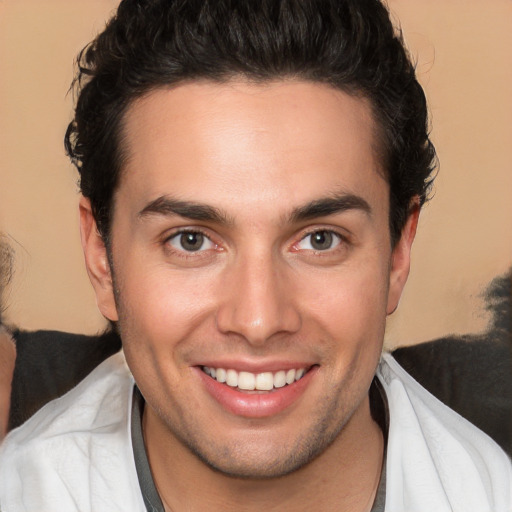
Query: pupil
191, 241
321, 240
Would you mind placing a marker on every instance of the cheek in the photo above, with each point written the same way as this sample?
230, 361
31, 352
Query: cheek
349, 308
351, 301
354, 315
159, 307
158, 314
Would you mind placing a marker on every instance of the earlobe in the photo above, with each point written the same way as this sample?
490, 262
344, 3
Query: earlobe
96, 261
401, 258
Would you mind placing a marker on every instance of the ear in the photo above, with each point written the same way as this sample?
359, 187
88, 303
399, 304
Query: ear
96, 261
401, 258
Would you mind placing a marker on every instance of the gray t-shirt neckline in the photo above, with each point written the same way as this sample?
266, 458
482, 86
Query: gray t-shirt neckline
150, 495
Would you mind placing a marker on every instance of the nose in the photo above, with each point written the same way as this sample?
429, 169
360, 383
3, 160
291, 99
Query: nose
257, 301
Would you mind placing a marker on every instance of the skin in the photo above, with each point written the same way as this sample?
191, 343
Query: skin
7, 360
257, 292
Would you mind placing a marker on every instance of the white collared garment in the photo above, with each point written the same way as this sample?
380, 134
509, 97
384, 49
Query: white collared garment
436, 460
75, 454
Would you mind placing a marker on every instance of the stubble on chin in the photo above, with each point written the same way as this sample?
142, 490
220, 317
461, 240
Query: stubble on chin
257, 457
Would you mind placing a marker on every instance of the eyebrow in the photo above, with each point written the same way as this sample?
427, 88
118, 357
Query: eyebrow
326, 206
166, 205
322, 207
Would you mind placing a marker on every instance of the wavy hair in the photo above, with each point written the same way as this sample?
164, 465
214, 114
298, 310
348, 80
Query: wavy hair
348, 44
5, 271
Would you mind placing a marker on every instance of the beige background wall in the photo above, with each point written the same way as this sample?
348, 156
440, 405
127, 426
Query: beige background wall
463, 49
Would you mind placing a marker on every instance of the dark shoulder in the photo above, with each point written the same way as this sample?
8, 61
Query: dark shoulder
472, 375
50, 363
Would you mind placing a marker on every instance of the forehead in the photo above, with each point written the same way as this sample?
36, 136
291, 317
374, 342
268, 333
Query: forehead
238, 142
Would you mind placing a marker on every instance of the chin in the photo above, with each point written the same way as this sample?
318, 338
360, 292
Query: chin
251, 461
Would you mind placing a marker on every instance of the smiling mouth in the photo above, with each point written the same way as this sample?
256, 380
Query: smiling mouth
247, 381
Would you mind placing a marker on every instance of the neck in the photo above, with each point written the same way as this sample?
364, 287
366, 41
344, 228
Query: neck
343, 478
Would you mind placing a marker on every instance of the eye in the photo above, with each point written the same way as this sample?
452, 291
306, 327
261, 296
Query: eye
323, 240
190, 241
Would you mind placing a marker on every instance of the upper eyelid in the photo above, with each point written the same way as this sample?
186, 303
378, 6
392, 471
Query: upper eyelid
342, 239
344, 242
334, 232
303, 233
311, 231
180, 230
183, 253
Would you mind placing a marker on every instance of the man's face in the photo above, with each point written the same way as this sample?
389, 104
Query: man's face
250, 235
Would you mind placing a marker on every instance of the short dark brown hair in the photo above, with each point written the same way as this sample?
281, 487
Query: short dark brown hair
348, 44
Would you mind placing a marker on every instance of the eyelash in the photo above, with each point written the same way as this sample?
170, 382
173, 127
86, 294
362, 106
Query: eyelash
184, 253
343, 241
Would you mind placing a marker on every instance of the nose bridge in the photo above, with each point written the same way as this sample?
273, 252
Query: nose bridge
257, 301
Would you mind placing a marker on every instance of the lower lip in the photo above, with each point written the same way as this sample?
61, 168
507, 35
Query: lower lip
257, 405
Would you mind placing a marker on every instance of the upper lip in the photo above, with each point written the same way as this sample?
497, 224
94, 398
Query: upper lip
255, 366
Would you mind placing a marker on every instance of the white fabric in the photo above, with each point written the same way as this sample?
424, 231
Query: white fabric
75, 454
436, 460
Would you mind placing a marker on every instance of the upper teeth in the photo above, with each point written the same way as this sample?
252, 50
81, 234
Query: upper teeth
250, 381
